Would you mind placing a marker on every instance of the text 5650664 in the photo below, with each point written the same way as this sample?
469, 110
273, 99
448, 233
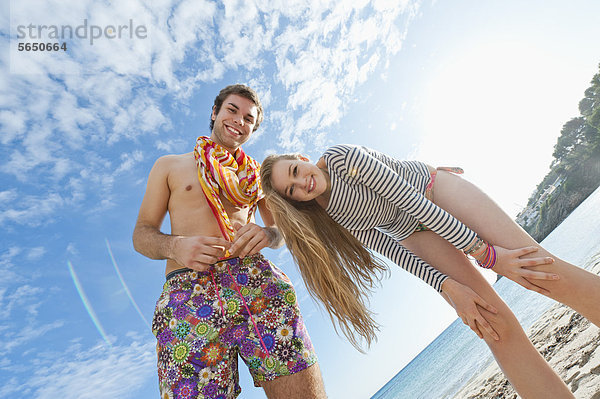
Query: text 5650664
42, 46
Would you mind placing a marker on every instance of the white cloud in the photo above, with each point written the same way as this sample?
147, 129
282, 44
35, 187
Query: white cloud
172, 145
29, 333
81, 372
33, 210
12, 124
72, 249
8, 195
18, 165
128, 161
320, 60
8, 255
9, 387
8, 275
94, 97
95, 373
23, 296
36, 253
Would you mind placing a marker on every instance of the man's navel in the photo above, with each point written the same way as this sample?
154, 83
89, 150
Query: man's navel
188, 188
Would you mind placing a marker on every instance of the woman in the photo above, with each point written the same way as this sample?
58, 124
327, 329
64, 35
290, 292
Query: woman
425, 220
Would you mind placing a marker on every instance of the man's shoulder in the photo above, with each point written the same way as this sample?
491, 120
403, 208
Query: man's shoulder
173, 160
176, 157
166, 165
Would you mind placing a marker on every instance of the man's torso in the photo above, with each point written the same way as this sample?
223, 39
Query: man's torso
188, 208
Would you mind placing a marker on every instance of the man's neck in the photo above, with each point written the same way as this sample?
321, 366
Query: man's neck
232, 151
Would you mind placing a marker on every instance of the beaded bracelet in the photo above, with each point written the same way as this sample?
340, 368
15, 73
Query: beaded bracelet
469, 250
490, 257
474, 247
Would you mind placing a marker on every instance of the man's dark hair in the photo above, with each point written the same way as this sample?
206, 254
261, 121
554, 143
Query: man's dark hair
243, 91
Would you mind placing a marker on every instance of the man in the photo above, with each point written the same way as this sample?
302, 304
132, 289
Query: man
222, 298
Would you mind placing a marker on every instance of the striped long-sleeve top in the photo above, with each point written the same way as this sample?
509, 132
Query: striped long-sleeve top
380, 200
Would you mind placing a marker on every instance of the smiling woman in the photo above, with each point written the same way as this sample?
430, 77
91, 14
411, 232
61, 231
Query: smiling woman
300, 180
71, 175
426, 221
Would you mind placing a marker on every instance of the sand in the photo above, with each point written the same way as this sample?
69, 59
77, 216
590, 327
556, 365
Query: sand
567, 341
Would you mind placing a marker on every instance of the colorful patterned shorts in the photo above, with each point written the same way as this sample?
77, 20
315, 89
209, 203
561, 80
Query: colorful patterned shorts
203, 320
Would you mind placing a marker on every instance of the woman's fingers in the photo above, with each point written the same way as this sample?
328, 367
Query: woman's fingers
481, 302
470, 322
487, 327
477, 322
525, 251
473, 326
545, 260
535, 275
519, 270
482, 321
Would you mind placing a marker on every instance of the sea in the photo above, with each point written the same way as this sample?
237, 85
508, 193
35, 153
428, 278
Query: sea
457, 354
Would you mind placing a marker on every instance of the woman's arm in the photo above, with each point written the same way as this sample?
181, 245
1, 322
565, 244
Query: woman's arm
462, 298
394, 251
380, 178
368, 170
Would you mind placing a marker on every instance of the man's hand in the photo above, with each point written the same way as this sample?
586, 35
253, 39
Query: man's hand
198, 252
249, 239
468, 306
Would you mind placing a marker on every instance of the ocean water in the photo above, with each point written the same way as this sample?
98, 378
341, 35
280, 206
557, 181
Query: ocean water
457, 354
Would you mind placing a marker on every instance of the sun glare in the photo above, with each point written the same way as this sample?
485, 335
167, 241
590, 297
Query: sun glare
496, 110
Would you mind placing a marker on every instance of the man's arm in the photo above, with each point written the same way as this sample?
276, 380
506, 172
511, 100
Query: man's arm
147, 237
251, 238
194, 252
275, 237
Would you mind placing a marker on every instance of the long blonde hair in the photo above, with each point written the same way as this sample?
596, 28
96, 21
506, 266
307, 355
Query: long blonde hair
335, 266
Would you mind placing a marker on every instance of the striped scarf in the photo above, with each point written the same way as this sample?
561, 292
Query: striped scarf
236, 176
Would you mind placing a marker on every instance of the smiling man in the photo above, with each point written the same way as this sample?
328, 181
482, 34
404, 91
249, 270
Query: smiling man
221, 297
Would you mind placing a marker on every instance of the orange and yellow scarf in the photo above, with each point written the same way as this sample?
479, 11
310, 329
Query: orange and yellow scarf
236, 176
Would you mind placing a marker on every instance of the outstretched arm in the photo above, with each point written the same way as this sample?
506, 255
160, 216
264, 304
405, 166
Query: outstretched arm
370, 171
394, 251
376, 175
462, 298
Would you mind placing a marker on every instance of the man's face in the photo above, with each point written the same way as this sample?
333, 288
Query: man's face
234, 123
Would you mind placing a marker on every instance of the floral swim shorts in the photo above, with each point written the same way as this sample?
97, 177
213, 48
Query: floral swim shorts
203, 320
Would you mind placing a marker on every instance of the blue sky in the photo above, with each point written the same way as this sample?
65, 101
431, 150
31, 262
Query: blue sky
484, 85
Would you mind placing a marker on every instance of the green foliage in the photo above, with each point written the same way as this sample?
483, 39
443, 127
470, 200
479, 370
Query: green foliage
592, 97
571, 136
577, 159
580, 137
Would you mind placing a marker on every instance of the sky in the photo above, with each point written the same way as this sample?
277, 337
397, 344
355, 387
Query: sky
485, 85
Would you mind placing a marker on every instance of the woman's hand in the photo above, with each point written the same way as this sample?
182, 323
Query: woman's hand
510, 264
467, 304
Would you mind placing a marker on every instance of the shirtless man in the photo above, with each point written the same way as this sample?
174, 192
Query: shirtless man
222, 297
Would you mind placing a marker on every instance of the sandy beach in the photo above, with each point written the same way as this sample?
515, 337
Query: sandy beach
569, 343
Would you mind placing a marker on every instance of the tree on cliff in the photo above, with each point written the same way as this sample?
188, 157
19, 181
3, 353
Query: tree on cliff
576, 161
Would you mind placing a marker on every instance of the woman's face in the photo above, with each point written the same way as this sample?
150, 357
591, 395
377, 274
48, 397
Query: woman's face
298, 180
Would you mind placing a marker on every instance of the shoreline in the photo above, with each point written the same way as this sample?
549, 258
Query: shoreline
567, 340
